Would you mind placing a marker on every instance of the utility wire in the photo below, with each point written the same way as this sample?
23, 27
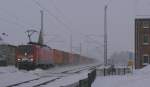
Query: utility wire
57, 19
14, 17
51, 14
108, 2
58, 10
12, 22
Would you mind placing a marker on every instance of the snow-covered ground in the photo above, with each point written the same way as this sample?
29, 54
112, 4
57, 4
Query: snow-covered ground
10, 76
139, 78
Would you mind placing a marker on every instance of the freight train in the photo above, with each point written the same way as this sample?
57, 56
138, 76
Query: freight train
35, 55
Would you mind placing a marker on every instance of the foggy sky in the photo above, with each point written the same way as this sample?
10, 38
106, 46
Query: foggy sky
84, 17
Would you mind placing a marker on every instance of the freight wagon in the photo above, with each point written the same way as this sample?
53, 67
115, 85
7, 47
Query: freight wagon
61, 57
7, 54
76, 59
57, 56
65, 58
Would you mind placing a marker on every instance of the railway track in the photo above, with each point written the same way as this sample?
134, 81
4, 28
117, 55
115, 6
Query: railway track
16, 84
75, 69
49, 78
46, 82
35, 82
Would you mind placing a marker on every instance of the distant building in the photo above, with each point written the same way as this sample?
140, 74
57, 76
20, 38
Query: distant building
121, 58
142, 42
7, 54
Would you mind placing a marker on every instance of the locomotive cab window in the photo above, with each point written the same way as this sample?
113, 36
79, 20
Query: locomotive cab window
25, 49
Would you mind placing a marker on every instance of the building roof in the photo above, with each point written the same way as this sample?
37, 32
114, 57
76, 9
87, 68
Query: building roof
142, 18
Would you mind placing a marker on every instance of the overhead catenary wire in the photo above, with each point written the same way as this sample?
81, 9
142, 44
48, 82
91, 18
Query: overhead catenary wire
59, 11
51, 14
12, 22
108, 2
54, 16
13, 16
57, 19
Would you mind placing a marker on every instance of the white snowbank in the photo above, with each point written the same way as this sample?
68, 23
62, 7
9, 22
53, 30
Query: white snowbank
139, 78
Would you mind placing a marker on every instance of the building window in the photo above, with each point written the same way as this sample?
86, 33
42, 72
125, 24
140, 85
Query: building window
146, 40
145, 59
145, 24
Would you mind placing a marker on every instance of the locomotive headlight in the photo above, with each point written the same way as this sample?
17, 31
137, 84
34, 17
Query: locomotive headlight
31, 59
19, 59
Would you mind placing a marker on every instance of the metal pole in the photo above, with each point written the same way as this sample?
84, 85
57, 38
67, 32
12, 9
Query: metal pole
87, 46
71, 46
41, 40
42, 14
80, 49
105, 35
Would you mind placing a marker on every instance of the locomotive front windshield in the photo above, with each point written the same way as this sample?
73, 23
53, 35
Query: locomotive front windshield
25, 49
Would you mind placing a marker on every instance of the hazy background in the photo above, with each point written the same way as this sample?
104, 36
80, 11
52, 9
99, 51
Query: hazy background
84, 19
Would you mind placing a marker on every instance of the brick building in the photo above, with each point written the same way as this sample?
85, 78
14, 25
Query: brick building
142, 42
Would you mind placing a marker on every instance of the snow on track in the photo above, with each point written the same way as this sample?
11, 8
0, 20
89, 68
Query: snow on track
12, 77
38, 82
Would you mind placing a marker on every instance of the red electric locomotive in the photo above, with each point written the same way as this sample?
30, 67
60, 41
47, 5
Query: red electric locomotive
33, 55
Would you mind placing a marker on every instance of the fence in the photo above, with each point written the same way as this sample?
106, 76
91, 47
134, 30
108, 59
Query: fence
113, 70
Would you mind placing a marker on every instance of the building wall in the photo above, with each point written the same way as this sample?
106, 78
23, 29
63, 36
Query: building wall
8, 53
142, 42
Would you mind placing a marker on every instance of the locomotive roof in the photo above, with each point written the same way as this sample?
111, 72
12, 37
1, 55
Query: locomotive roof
34, 43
